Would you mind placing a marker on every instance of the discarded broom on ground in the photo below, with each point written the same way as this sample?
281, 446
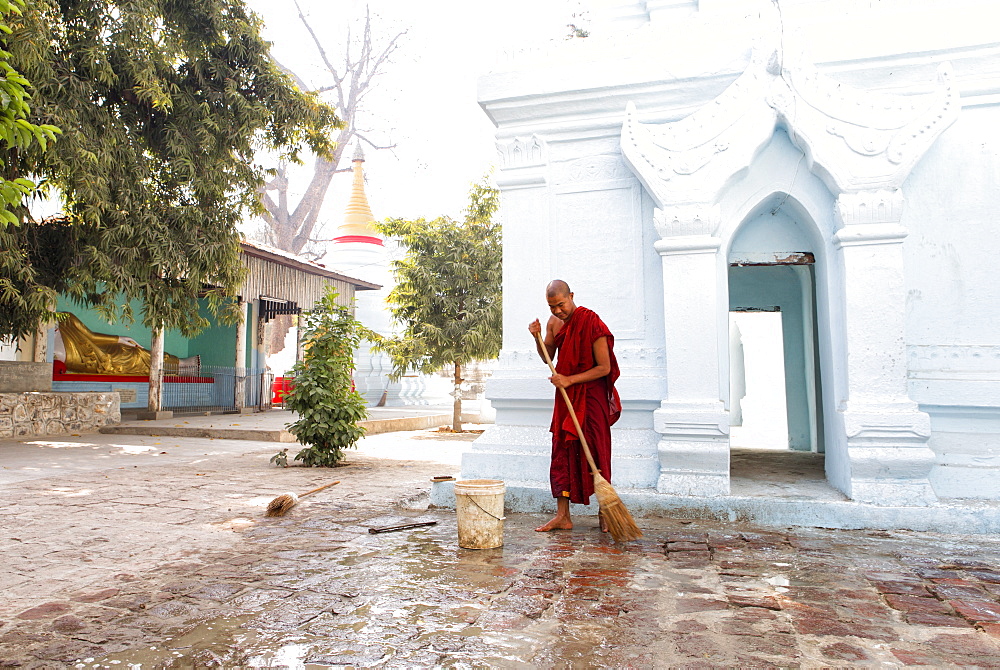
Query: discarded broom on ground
620, 523
286, 501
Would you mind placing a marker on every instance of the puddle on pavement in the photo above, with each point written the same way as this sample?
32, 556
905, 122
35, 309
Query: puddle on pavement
411, 598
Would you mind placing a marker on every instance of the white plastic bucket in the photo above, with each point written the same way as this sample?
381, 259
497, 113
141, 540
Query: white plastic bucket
479, 507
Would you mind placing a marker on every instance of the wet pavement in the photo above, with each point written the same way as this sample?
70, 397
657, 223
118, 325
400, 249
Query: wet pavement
131, 551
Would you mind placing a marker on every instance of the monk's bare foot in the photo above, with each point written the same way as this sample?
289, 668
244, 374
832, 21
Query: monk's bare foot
603, 522
557, 523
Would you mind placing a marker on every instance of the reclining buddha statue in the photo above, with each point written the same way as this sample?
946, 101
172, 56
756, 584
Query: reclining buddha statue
87, 352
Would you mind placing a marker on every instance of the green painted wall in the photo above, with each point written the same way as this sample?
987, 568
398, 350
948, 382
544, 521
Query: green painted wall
216, 344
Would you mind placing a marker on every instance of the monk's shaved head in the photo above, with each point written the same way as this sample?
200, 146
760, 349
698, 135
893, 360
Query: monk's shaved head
556, 287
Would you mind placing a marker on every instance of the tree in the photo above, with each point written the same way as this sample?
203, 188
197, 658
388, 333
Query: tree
448, 291
292, 226
323, 394
19, 310
164, 105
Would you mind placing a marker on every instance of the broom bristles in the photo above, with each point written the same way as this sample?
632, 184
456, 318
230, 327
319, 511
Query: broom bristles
620, 523
280, 505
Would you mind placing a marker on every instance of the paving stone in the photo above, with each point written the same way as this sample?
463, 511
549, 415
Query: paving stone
977, 610
687, 605
941, 620
68, 624
916, 604
689, 626
953, 592
764, 602
568, 599
46, 611
986, 576
919, 657
96, 596
900, 587
842, 651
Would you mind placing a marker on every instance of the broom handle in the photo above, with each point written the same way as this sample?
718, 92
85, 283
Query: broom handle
319, 488
569, 406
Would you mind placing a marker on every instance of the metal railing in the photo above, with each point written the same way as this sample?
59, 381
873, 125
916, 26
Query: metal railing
218, 389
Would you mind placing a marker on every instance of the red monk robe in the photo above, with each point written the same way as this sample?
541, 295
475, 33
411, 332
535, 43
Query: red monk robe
596, 403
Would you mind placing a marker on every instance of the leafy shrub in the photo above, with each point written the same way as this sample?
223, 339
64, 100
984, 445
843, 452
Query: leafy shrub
323, 393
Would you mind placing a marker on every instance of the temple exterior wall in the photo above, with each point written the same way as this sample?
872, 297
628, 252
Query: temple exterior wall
631, 160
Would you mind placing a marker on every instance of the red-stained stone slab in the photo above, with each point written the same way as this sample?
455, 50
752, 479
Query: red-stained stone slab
917, 604
910, 588
686, 546
978, 610
765, 602
908, 657
953, 592
46, 611
941, 620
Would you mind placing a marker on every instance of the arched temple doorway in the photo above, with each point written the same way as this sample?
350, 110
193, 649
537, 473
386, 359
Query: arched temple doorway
775, 402
771, 271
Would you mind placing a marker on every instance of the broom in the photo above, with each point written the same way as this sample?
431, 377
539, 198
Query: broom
620, 523
286, 501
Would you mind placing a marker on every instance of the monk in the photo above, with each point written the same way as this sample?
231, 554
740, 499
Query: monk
587, 369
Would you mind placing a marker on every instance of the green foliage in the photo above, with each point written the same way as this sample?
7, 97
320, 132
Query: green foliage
329, 408
164, 106
448, 291
16, 134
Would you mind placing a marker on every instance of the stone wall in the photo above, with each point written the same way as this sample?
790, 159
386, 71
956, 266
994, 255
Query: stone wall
23, 376
28, 414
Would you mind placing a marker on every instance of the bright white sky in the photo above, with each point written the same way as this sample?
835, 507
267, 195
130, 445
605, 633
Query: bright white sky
425, 101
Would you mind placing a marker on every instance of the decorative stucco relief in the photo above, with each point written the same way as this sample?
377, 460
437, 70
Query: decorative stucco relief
863, 140
521, 152
880, 206
592, 168
856, 141
954, 362
688, 160
683, 220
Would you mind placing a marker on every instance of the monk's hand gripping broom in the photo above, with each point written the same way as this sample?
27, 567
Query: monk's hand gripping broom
621, 525
286, 501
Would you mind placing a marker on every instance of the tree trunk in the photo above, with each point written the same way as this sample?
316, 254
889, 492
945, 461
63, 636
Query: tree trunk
456, 415
38, 348
239, 375
155, 403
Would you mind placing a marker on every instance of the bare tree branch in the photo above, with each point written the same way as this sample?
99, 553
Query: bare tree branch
293, 228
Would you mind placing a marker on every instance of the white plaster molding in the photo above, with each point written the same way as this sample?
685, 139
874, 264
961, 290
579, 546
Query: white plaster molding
687, 245
687, 220
954, 362
877, 206
870, 217
691, 420
629, 358
519, 178
521, 152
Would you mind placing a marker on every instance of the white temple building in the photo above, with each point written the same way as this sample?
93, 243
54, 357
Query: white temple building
837, 163
361, 251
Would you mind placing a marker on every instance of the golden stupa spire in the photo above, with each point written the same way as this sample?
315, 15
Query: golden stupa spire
358, 217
